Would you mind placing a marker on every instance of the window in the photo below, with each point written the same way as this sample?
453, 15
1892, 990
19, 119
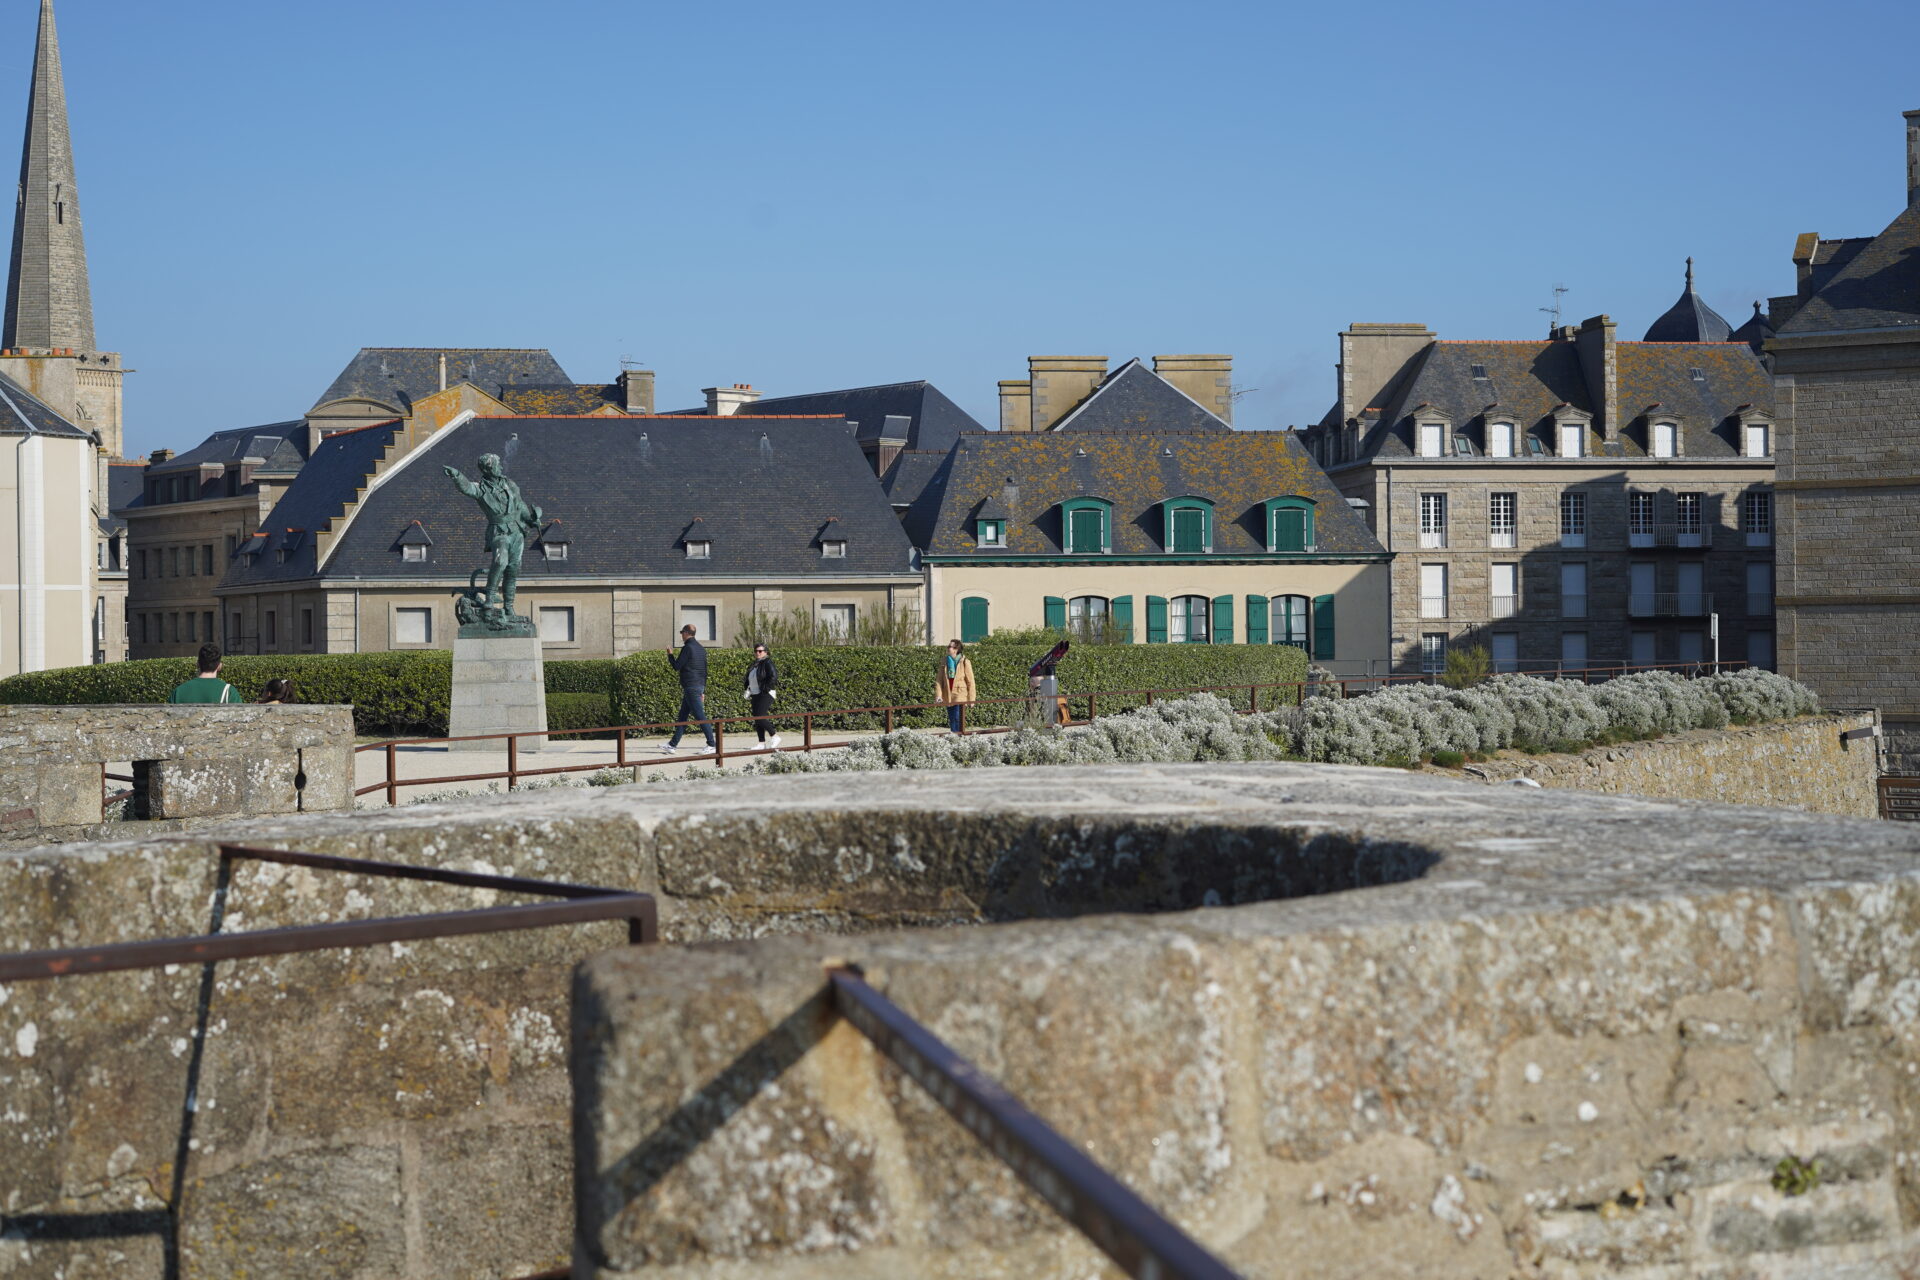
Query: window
1760, 649
1087, 617
173, 628
1755, 442
833, 548
1433, 436
1573, 439
1641, 649
143, 628
1463, 447
1500, 440
1759, 589
1503, 519
703, 618
233, 633
1639, 519
1693, 647
551, 551
1573, 651
1666, 440
414, 553
1290, 524
1686, 519
188, 637
702, 549
1573, 590
1503, 590
1433, 652
142, 560
1573, 518
991, 533
280, 556
1433, 520
99, 555
1756, 517
1086, 526
974, 612
173, 562
306, 627
232, 543
206, 559
1506, 651
556, 624
410, 626
1189, 529
1187, 619
1641, 598
1690, 581
1287, 620
270, 635
1433, 591
837, 620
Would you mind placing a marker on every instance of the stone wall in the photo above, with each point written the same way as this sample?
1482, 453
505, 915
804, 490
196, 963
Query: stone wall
1578, 1046
190, 764
1798, 764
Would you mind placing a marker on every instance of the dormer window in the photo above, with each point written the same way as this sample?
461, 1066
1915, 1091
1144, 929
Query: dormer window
1666, 440
1500, 439
991, 533
699, 549
552, 551
414, 554
1290, 524
1189, 528
1087, 526
1573, 439
413, 543
1433, 439
1463, 447
554, 542
833, 548
1756, 440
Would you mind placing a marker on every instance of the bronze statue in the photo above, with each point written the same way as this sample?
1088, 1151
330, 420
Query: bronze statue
509, 520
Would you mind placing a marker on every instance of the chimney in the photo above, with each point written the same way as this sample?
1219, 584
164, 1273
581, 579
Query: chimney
1060, 383
1207, 379
725, 401
1600, 363
636, 390
443, 371
1913, 156
1372, 358
1016, 405
159, 456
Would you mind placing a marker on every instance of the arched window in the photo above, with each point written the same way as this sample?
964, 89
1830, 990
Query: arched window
1288, 621
1187, 620
973, 618
1087, 618
1290, 524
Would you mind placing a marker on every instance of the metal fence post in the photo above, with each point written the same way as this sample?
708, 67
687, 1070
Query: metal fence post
513, 761
806, 731
393, 780
719, 741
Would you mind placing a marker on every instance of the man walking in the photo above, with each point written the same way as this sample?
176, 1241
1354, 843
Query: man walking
691, 663
207, 686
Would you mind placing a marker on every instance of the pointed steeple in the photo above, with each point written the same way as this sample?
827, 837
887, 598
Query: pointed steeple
48, 302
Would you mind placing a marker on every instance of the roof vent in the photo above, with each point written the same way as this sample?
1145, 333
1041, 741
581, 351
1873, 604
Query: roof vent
1697, 374
646, 448
1479, 371
766, 449
1080, 452
1166, 451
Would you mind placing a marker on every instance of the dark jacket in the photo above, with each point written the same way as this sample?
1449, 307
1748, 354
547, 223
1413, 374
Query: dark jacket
765, 672
691, 663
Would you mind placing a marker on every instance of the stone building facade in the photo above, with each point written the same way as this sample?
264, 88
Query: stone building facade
1847, 366
1567, 503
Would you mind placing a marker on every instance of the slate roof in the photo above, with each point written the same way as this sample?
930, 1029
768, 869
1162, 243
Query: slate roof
1689, 320
933, 421
916, 480
400, 375
1524, 382
23, 413
126, 481
342, 464
278, 443
562, 401
1238, 470
1876, 287
1755, 331
626, 490
1135, 398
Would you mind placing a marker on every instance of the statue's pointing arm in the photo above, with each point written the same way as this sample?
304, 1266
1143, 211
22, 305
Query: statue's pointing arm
461, 483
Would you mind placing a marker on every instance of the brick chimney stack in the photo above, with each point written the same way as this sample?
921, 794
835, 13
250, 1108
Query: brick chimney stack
1060, 383
1600, 363
1207, 379
636, 390
1016, 404
725, 401
1913, 156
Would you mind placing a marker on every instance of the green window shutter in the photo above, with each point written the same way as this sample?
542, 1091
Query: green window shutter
1056, 613
1087, 530
1156, 619
1189, 530
973, 619
1322, 628
1289, 529
1120, 611
1256, 619
1223, 619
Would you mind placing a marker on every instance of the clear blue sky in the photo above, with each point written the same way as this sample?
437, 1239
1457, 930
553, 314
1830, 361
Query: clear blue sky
813, 196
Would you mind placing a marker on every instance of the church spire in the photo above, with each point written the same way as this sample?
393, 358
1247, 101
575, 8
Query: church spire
48, 302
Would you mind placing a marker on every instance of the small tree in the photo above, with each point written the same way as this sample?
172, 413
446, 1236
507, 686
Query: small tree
1467, 667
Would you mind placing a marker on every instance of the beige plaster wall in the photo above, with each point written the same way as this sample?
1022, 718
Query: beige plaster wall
57, 612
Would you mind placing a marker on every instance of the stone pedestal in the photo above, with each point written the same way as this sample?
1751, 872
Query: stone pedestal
499, 686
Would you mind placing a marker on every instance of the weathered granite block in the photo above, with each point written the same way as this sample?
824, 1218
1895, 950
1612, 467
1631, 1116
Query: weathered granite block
499, 686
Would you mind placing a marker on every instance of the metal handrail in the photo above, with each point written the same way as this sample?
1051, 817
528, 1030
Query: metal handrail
514, 772
1118, 1222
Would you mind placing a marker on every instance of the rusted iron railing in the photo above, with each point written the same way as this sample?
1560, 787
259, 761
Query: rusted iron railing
515, 772
1123, 1226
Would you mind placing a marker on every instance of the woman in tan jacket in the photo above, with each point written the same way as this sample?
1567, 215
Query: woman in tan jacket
953, 678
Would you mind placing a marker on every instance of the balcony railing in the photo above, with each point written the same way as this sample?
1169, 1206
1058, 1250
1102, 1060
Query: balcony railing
1573, 606
1670, 535
1669, 604
1503, 606
1503, 540
1433, 539
1433, 606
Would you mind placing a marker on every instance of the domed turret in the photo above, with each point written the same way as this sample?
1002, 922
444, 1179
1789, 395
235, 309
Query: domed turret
1690, 319
1756, 331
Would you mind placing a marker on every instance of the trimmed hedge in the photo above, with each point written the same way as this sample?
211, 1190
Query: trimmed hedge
567, 710
391, 693
646, 690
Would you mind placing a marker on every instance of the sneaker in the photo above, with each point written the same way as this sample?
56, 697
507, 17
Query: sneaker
703, 751
773, 743
668, 750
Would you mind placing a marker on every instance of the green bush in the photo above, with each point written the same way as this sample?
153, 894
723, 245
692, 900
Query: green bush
390, 693
578, 711
646, 690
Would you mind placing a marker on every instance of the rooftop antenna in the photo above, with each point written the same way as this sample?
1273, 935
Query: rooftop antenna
1554, 310
628, 362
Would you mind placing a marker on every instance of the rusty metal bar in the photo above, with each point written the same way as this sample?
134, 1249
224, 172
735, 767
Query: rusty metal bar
393, 777
1118, 1222
513, 762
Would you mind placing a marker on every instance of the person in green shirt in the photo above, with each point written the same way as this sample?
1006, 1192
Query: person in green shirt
207, 686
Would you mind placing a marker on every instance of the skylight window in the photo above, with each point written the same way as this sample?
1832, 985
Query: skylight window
1479, 371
